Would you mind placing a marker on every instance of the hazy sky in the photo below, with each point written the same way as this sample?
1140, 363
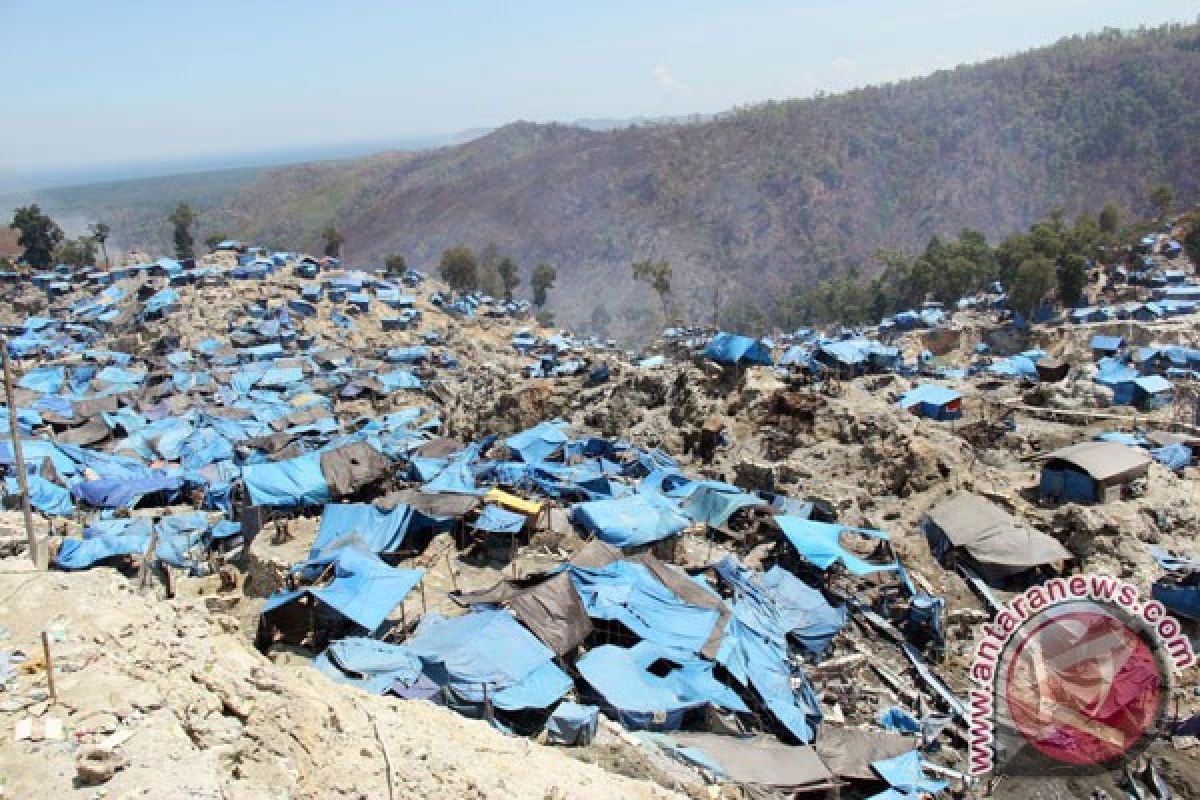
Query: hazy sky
86, 82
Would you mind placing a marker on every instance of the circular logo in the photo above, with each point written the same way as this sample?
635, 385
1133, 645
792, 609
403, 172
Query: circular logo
1084, 684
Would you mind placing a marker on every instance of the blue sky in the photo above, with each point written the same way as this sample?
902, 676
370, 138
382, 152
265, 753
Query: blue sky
87, 82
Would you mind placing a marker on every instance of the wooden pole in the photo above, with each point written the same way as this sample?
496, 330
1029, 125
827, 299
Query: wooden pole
49, 668
18, 454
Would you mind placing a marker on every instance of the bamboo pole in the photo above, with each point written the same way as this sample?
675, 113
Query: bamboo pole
18, 453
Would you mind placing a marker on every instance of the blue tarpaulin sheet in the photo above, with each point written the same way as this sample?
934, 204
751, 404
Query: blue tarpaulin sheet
755, 652
645, 700
714, 503
364, 590
489, 648
729, 348
294, 483
494, 519
538, 443
803, 611
44, 496
47, 380
627, 592
125, 491
631, 521
820, 543
377, 531
905, 774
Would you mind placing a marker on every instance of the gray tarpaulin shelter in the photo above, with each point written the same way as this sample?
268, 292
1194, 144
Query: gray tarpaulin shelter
1092, 472
762, 761
351, 467
550, 609
997, 543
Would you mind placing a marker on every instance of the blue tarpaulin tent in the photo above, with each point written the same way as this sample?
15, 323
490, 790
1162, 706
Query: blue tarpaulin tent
364, 590
539, 442
933, 402
631, 521
495, 519
729, 348
363, 524
645, 700
293, 483
627, 592
754, 650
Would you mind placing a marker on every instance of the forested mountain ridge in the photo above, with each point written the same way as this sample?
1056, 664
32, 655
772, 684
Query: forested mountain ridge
755, 201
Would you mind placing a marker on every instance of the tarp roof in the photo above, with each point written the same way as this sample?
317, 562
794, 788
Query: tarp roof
364, 589
761, 760
1104, 460
630, 521
992, 536
730, 348
928, 393
820, 543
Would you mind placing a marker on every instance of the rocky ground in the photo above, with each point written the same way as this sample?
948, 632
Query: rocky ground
166, 697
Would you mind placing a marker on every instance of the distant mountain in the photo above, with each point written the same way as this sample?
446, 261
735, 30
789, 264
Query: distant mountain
759, 199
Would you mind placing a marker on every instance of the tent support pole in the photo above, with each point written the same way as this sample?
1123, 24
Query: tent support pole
14, 429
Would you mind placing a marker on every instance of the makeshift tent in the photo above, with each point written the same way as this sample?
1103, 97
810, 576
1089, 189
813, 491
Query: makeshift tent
551, 609
642, 699
1092, 472
631, 521
364, 590
488, 652
933, 402
629, 593
538, 443
803, 611
761, 761
293, 483
996, 544
729, 348
572, 724
364, 526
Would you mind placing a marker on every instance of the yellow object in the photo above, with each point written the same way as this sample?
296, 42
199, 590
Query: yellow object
513, 503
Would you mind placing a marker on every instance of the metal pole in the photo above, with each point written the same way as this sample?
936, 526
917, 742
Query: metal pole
18, 455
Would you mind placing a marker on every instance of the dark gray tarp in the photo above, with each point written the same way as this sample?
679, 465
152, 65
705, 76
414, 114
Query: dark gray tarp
297, 418
992, 537
90, 432
763, 761
848, 753
550, 609
433, 505
352, 467
595, 554
94, 406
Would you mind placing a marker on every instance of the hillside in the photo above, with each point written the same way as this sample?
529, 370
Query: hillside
781, 192
766, 196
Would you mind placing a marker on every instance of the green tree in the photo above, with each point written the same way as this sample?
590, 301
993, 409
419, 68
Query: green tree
333, 240
1072, 277
657, 274
100, 232
183, 218
459, 269
40, 235
542, 281
213, 239
1162, 197
545, 318
1034, 279
510, 276
79, 252
395, 265
1110, 219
